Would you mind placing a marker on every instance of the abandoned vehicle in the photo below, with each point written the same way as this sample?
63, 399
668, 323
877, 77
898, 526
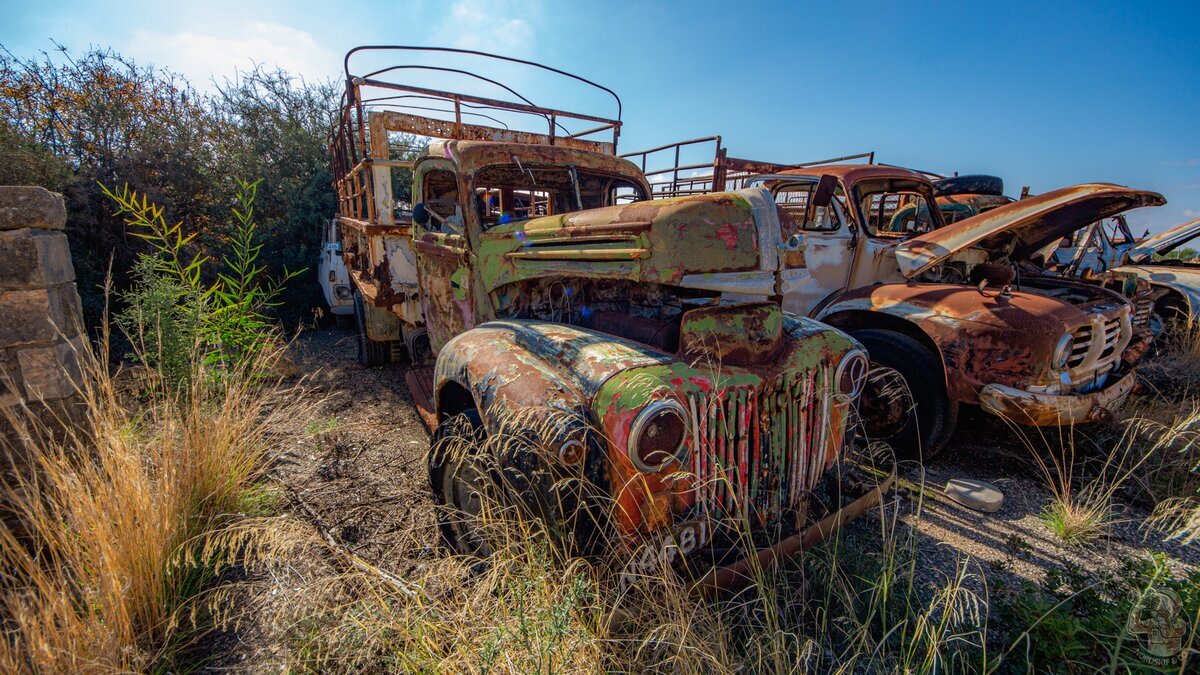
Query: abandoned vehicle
554, 297
947, 312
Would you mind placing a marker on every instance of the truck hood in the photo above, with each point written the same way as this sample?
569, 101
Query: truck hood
1165, 242
1024, 226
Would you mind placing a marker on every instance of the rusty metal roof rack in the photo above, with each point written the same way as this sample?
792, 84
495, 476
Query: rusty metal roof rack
721, 173
373, 104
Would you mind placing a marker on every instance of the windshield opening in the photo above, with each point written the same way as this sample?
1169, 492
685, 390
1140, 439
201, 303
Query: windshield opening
515, 192
896, 208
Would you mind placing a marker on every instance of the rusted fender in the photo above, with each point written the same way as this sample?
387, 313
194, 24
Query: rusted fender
1024, 407
982, 337
514, 364
1183, 279
739, 574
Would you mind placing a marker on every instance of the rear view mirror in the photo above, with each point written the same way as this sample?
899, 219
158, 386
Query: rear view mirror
824, 193
420, 214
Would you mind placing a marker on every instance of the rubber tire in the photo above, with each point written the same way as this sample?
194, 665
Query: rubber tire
936, 415
447, 429
371, 353
977, 184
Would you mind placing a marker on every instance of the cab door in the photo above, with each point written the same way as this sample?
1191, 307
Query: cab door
817, 243
443, 252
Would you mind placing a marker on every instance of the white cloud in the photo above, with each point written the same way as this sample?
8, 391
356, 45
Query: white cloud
497, 27
1191, 213
203, 58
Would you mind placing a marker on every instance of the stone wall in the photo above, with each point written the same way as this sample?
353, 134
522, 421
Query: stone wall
41, 324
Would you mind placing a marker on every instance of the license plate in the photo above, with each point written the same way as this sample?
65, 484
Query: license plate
652, 558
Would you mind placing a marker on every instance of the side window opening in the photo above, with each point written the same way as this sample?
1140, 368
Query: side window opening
797, 213
440, 195
896, 215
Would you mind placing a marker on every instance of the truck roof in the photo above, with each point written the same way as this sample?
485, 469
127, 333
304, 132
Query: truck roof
473, 155
851, 173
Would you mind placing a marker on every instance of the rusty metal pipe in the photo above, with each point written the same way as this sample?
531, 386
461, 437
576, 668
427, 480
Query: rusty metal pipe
737, 575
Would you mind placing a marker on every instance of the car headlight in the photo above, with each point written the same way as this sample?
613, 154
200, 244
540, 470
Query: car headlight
658, 436
1062, 351
342, 292
851, 373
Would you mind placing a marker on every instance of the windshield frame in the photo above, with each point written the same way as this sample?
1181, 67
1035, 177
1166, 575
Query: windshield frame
573, 170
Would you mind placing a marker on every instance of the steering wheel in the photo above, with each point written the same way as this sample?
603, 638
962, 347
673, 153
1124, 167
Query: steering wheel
438, 218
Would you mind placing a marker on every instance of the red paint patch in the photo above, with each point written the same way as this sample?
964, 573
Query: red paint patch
728, 233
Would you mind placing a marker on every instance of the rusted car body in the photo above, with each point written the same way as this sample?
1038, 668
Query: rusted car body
873, 256
1175, 283
1107, 253
552, 293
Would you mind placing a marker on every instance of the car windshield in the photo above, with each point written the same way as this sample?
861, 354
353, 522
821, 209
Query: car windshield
514, 192
896, 208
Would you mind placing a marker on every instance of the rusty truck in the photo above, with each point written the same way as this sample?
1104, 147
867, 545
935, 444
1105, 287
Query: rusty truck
944, 310
551, 291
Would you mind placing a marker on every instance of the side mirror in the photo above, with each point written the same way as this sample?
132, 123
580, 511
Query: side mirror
823, 196
420, 214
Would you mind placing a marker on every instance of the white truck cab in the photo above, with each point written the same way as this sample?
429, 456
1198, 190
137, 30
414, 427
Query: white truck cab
332, 275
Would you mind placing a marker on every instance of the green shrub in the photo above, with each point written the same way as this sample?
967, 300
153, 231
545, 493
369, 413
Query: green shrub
1077, 623
182, 315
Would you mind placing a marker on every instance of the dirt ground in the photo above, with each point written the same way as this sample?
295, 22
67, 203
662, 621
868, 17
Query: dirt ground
355, 471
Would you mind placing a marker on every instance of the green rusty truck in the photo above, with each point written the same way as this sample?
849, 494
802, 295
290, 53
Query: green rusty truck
545, 285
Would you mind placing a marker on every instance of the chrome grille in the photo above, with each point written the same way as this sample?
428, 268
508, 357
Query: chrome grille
1112, 335
1141, 314
758, 451
1081, 342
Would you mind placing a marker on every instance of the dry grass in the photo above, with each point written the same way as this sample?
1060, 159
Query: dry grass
112, 530
852, 605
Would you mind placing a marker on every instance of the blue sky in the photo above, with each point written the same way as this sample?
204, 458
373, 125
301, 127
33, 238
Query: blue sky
1043, 94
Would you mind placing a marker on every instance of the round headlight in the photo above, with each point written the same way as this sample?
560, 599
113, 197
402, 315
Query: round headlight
1062, 351
657, 436
342, 292
852, 373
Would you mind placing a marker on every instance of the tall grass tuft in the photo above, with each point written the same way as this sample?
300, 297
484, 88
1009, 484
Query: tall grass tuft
110, 528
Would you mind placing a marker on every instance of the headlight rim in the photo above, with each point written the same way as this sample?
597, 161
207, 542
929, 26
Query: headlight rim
1062, 351
639, 423
853, 356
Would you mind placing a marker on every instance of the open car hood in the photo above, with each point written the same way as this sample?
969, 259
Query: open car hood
1165, 242
1023, 227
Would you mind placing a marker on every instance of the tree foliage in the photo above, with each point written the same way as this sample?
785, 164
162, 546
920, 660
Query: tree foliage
73, 123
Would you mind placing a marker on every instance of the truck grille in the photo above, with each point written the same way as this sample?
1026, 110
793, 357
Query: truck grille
1112, 335
1141, 314
1081, 341
758, 451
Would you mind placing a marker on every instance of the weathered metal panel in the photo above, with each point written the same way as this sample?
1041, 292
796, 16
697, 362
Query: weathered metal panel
1033, 222
427, 126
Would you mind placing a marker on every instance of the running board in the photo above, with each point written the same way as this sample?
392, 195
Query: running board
420, 385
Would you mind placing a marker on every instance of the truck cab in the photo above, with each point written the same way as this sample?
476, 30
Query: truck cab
569, 350
332, 275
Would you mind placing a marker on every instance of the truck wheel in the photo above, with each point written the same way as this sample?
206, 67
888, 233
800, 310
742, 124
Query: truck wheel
370, 352
460, 481
904, 402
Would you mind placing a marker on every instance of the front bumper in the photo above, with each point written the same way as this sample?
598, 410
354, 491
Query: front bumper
672, 551
1043, 410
